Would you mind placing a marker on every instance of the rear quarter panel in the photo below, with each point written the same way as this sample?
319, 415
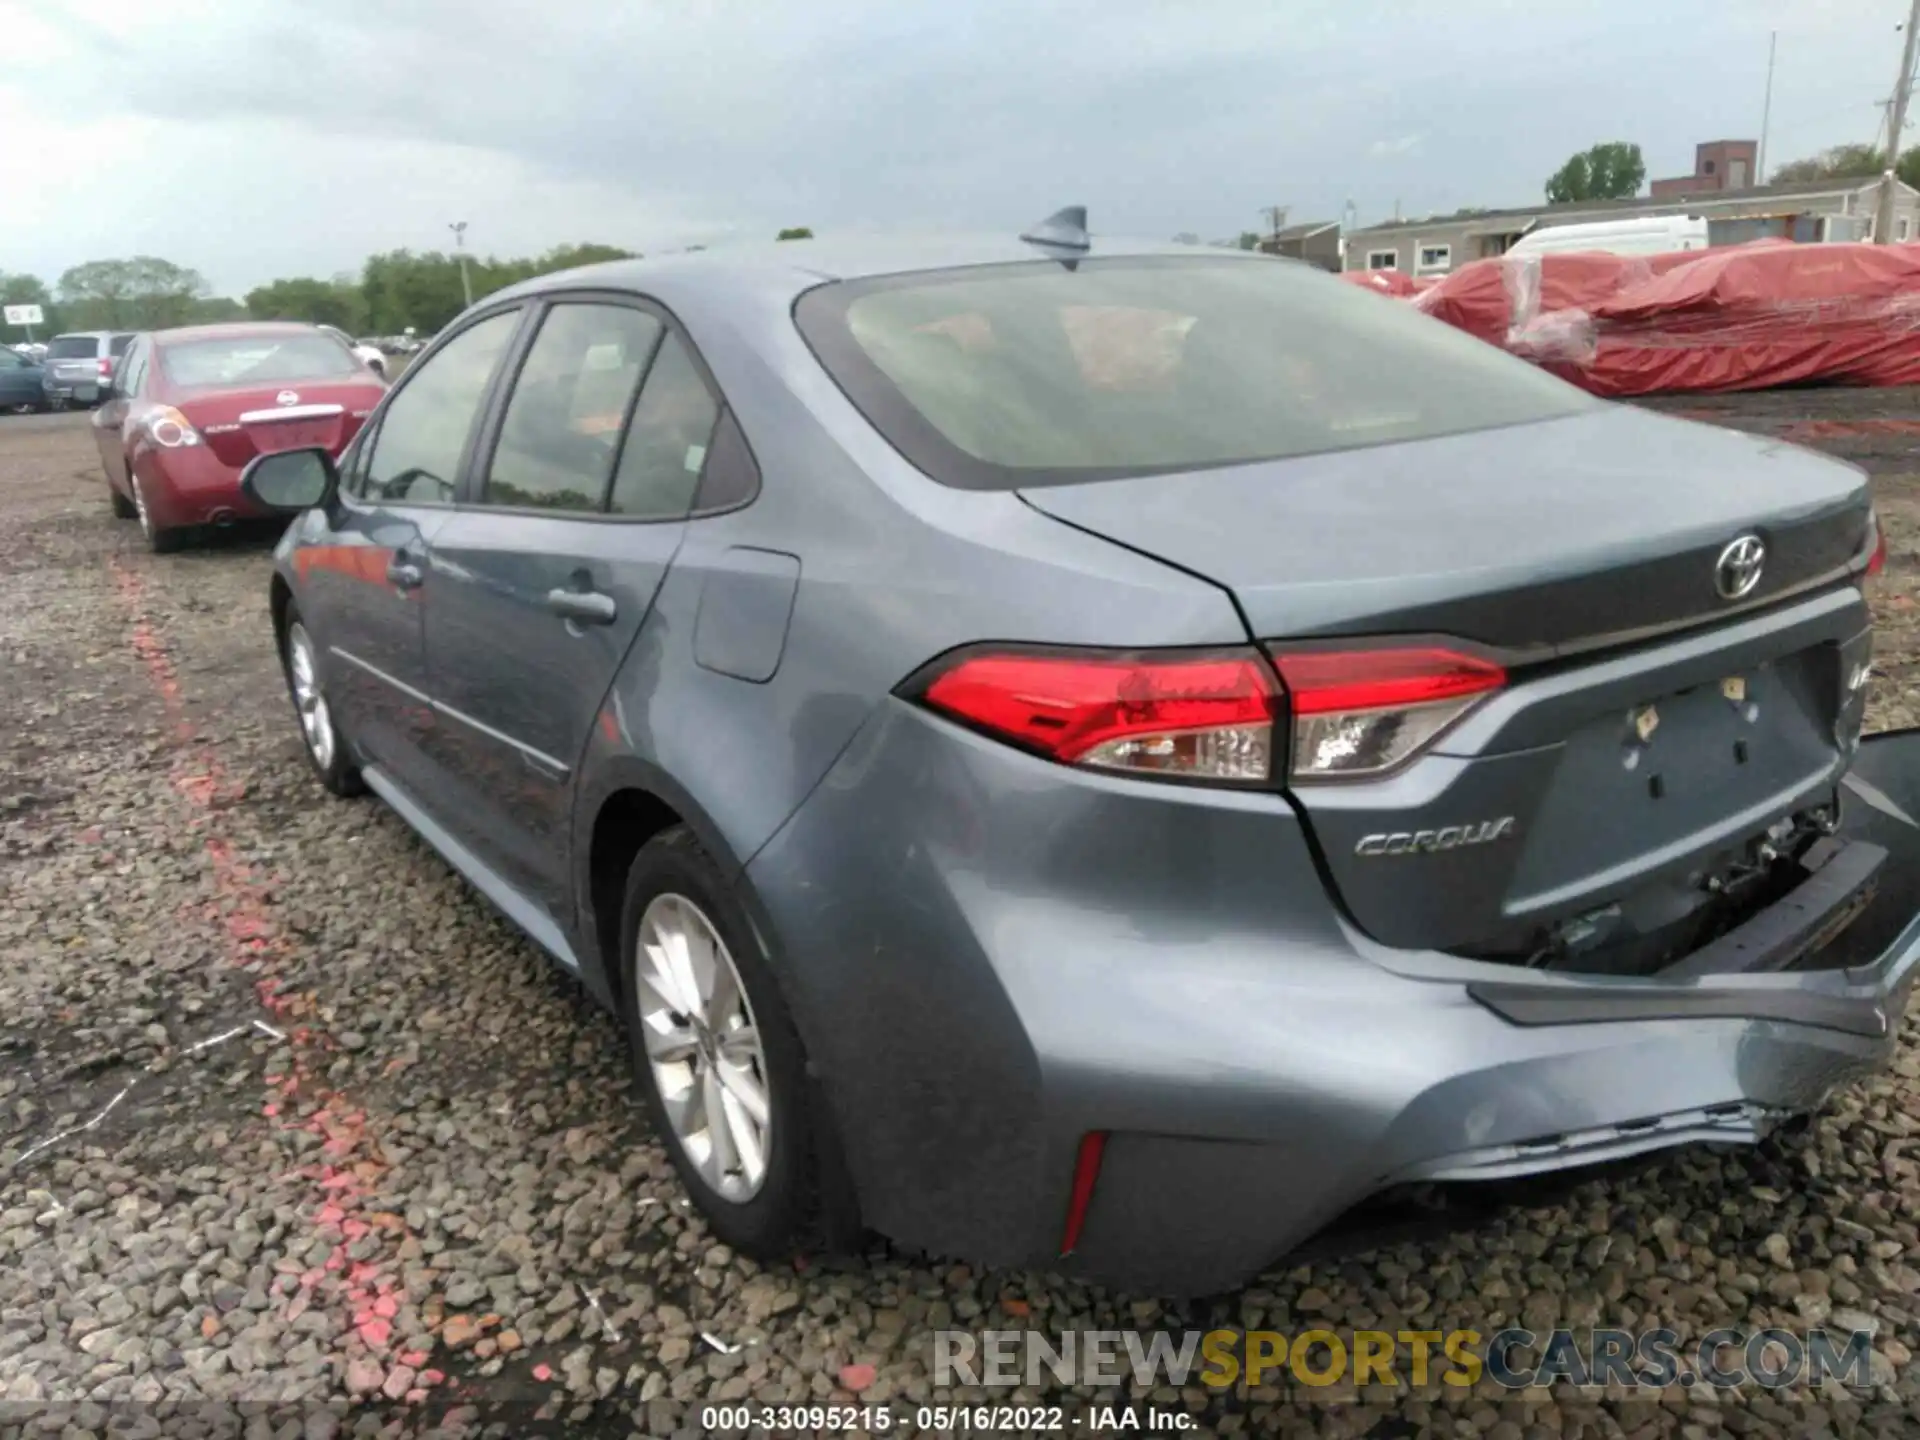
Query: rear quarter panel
894, 570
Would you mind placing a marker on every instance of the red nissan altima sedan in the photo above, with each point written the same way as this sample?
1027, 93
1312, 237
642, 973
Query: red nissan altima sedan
189, 408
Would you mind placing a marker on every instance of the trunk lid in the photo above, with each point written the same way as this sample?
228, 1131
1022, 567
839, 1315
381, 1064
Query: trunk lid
1658, 751
242, 423
1539, 538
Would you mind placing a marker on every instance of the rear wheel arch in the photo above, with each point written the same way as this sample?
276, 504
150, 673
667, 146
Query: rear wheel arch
279, 602
633, 802
624, 822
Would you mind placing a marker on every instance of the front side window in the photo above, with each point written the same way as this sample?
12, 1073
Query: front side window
424, 428
668, 441
997, 377
561, 434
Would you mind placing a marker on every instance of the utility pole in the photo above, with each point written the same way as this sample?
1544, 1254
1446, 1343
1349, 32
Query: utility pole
1896, 126
1766, 113
459, 228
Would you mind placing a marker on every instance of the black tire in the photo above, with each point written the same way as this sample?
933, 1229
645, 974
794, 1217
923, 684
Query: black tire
165, 542
122, 506
340, 775
786, 1211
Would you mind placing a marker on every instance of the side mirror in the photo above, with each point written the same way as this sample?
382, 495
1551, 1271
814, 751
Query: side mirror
291, 480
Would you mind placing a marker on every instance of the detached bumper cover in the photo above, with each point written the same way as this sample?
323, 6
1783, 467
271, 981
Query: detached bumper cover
991, 956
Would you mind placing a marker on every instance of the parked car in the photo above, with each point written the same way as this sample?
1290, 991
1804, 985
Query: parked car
1105, 756
369, 355
22, 388
80, 364
191, 407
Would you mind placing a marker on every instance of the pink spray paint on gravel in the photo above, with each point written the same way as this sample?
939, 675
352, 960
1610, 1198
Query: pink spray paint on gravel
366, 1293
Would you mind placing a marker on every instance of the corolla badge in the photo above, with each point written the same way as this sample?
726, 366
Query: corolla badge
287, 397
1738, 569
1426, 842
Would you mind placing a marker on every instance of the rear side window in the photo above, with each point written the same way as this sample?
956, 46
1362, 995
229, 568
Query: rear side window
117, 346
561, 434
134, 373
995, 377
73, 347
668, 441
425, 425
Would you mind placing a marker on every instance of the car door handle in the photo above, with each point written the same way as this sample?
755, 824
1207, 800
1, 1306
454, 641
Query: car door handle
404, 573
583, 607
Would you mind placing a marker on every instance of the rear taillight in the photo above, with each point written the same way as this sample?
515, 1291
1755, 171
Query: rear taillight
1192, 715
171, 429
106, 368
1361, 712
1876, 544
1215, 715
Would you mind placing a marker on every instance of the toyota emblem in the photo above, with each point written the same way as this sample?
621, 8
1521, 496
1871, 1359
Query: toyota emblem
287, 397
1738, 569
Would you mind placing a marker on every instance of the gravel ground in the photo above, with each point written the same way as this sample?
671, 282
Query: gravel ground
360, 1141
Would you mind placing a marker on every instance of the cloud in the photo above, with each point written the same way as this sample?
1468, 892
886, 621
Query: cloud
1388, 149
254, 138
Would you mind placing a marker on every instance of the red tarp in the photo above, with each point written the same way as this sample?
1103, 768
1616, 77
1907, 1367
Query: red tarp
1745, 317
1387, 282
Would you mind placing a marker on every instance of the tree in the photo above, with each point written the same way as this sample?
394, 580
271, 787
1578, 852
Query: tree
1850, 162
795, 232
1249, 240
143, 293
403, 288
1612, 170
320, 302
1842, 162
23, 289
214, 310
569, 257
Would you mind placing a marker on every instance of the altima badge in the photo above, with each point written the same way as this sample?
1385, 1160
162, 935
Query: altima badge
1427, 842
287, 397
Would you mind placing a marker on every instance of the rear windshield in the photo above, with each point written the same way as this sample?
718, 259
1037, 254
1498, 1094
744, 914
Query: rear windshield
257, 360
1031, 374
73, 347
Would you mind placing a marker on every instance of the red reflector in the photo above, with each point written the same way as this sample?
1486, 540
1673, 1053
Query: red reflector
1067, 705
1086, 1172
1322, 682
1877, 561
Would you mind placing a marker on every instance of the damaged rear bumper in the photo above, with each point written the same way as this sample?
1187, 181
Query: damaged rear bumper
1814, 1016
1039, 955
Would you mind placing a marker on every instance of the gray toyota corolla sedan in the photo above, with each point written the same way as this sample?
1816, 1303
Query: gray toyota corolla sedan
1104, 756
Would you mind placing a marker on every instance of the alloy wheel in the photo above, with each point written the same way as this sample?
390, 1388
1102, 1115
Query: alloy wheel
703, 1047
316, 721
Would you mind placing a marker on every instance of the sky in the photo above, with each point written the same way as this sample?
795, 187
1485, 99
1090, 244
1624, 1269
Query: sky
255, 139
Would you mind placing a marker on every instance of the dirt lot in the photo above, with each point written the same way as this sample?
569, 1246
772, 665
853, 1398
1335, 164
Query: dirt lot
342, 1133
